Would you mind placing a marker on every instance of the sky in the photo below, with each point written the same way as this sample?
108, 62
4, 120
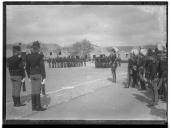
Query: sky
102, 25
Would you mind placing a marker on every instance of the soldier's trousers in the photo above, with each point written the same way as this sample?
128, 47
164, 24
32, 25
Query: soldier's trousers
35, 83
16, 85
114, 74
155, 90
135, 79
49, 65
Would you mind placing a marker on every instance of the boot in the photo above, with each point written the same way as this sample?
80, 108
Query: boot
33, 99
19, 102
14, 100
38, 104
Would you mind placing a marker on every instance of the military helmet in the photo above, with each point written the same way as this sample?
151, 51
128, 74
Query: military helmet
36, 45
16, 48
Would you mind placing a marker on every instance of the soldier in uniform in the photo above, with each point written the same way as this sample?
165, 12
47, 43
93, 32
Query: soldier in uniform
141, 71
151, 75
119, 60
130, 70
113, 61
36, 73
17, 74
163, 75
49, 62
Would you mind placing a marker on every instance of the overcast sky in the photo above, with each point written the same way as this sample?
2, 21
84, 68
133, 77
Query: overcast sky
103, 25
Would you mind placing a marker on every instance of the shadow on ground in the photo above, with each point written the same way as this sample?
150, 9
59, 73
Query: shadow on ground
141, 98
110, 79
45, 100
154, 111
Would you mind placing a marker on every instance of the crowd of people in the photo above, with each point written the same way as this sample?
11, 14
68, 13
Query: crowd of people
149, 70
64, 62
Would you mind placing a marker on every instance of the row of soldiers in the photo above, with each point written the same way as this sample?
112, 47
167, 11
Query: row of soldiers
104, 61
34, 67
63, 62
149, 71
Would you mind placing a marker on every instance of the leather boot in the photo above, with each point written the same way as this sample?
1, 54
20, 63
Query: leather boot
14, 100
19, 102
38, 103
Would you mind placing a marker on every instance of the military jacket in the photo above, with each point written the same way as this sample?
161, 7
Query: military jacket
35, 65
16, 66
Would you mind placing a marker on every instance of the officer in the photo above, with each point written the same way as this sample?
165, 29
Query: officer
36, 73
113, 61
135, 69
49, 62
130, 70
163, 75
17, 74
141, 71
151, 75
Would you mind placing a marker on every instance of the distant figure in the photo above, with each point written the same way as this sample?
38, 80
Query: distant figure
119, 60
113, 63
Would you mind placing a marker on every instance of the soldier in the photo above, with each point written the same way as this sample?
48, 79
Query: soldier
163, 75
130, 70
119, 60
113, 61
36, 73
135, 71
49, 62
151, 75
141, 71
17, 74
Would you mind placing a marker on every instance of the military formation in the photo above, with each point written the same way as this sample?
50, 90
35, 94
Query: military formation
64, 62
149, 71
146, 70
105, 61
34, 67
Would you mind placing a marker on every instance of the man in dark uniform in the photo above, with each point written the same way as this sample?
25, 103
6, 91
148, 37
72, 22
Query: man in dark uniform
130, 70
17, 74
163, 75
151, 75
135, 71
49, 61
141, 71
36, 73
113, 61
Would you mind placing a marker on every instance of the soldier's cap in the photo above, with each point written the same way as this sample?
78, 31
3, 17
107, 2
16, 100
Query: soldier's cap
36, 44
16, 48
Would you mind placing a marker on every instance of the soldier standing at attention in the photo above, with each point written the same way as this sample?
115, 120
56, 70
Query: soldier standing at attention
17, 74
113, 61
151, 75
130, 70
36, 73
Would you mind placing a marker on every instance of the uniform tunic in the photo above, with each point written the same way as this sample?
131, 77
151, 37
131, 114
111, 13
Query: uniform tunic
16, 70
36, 71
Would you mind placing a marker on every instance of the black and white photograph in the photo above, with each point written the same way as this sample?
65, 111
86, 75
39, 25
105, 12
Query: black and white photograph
85, 61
